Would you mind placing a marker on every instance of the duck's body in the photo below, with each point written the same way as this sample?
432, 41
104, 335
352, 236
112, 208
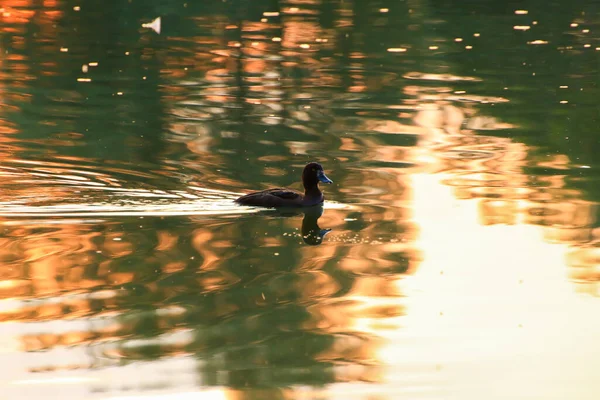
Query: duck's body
282, 197
279, 197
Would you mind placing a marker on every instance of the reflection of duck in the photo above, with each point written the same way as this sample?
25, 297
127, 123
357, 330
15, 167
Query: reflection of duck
312, 234
282, 197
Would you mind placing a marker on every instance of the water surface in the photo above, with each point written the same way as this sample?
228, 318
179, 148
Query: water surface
456, 256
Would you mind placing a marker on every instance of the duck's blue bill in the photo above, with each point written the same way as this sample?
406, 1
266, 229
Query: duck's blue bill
323, 178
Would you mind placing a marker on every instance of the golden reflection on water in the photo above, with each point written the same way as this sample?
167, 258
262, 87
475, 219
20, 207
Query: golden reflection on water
446, 275
492, 285
501, 299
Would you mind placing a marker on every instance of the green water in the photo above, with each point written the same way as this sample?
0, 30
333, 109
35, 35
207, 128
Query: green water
456, 255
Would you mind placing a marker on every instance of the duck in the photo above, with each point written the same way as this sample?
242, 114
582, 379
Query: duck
282, 197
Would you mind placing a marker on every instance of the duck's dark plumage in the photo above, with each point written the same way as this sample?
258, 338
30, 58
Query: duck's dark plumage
282, 197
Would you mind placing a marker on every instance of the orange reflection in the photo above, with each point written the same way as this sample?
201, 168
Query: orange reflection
445, 277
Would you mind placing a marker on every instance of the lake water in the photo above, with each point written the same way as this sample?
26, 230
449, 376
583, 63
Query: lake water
457, 255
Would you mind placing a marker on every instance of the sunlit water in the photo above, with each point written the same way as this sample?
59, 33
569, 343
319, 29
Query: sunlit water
456, 256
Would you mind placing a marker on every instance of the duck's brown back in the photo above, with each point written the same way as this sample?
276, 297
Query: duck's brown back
277, 197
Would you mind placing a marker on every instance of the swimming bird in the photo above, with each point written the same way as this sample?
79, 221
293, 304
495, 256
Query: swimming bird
282, 197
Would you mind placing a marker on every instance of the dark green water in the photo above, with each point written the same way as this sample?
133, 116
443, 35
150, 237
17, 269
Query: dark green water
463, 257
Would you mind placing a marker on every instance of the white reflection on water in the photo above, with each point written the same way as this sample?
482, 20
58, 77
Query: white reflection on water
212, 394
141, 210
490, 307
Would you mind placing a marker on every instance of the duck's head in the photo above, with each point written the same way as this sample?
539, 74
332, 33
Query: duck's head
313, 174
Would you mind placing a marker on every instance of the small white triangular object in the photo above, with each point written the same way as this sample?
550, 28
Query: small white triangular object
154, 25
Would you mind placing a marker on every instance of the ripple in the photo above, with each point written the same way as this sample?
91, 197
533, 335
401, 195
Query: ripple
67, 189
440, 77
468, 155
